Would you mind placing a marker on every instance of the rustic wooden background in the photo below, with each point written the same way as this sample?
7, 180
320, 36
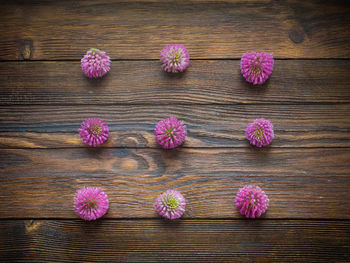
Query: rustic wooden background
44, 97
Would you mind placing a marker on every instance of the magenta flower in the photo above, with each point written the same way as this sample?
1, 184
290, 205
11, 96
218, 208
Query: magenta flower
170, 133
260, 132
251, 201
90, 203
94, 131
95, 63
256, 67
170, 204
175, 58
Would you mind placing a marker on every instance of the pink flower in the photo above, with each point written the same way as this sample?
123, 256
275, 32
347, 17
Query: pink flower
95, 63
251, 201
260, 132
256, 67
90, 203
170, 133
170, 204
175, 58
94, 131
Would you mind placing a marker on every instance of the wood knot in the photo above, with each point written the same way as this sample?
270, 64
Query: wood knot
129, 164
297, 36
32, 225
26, 50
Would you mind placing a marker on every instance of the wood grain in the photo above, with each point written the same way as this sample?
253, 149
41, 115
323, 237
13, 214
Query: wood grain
134, 30
143, 82
44, 97
301, 183
51, 126
181, 241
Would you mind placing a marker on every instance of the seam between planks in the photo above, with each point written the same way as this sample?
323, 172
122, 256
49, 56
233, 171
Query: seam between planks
157, 59
183, 147
181, 219
177, 103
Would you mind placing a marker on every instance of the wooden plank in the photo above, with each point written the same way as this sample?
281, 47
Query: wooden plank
181, 241
48, 126
135, 30
301, 183
143, 82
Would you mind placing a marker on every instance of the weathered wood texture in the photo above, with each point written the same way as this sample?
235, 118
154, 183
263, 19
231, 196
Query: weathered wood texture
305, 172
51, 126
130, 30
143, 82
301, 183
181, 241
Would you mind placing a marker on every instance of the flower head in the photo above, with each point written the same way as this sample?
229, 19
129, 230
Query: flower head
175, 58
90, 203
251, 201
256, 67
94, 131
260, 132
170, 204
95, 63
170, 133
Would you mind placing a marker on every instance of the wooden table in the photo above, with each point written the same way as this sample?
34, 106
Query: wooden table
44, 97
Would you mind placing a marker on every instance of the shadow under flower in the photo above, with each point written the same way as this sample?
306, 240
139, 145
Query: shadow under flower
178, 75
97, 82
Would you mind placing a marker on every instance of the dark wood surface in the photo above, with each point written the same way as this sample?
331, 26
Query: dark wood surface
301, 183
51, 126
44, 97
133, 30
143, 82
181, 241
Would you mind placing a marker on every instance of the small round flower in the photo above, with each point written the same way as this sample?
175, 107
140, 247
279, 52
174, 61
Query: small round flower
95, 63
90, 203
260, 132
170, 133
251, 201
256, 67
175, 58
170, 204
94, 131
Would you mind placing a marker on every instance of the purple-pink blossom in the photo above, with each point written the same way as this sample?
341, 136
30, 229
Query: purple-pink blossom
251, 201
90, 203
260, 132
170, 133
94, 131
170, 204
257, 67
95, 63
175, 58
